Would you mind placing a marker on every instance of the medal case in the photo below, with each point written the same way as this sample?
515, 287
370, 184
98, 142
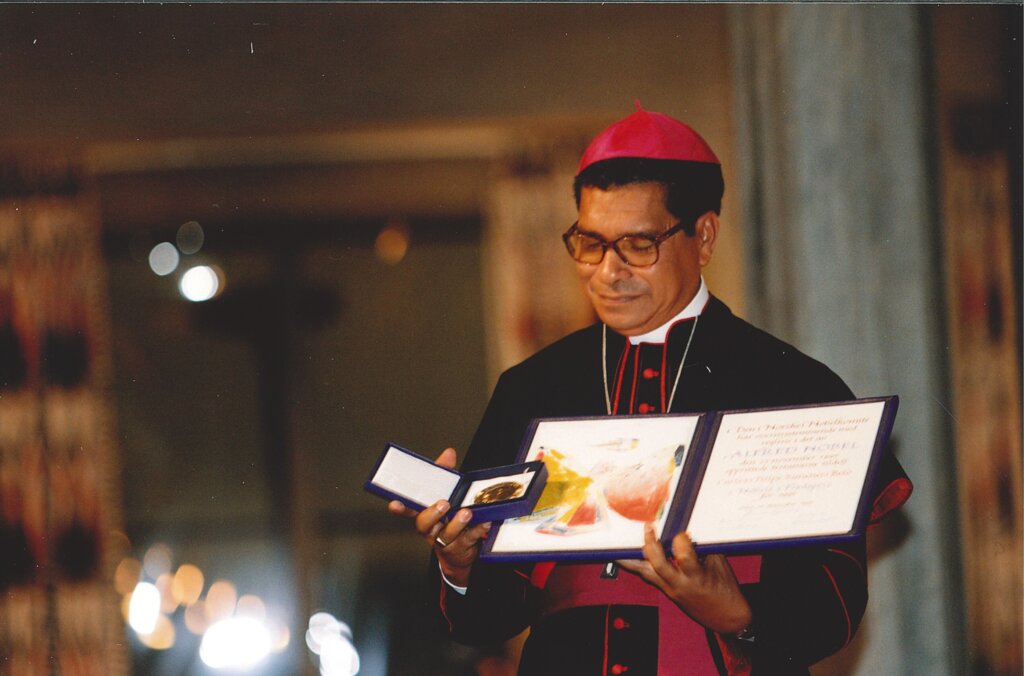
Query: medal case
490, 494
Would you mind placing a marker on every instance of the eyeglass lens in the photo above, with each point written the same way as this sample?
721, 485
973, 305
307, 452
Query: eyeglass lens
634, 250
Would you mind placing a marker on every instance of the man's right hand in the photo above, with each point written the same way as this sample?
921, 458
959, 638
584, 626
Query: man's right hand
455, 542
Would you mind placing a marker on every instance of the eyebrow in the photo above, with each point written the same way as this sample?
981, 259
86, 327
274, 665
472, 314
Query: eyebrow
634, 233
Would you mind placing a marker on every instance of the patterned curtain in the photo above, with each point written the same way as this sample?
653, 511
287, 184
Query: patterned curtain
986, 377
58, 610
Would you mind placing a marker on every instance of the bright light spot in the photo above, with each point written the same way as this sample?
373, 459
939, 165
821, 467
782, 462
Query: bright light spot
331, 639
163, 259
237, 642
162, 637
196, 620
127, 576
322, 626
221, 600
144, 608
392, 242
190, 237
251, 606
168, 604
338, 657
199, 283
187, 585
157, 560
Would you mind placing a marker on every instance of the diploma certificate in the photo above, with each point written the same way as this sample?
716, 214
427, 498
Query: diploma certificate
736, 481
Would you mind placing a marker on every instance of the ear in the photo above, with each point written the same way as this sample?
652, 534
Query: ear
707, 236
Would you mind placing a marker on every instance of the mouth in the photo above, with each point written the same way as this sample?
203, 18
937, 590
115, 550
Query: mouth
616, 299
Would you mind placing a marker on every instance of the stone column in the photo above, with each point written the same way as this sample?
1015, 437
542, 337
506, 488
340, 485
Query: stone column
844, 261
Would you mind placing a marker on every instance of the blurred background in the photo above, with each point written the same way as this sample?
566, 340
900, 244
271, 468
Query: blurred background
243, 246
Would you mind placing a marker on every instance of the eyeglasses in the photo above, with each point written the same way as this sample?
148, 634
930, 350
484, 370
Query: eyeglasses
639, 250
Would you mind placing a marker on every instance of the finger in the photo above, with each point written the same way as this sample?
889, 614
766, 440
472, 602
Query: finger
471, 536
447, 458
638, 566
399, 509
718, 565
686, 555
654, 552
645, 571
467, 537
434, 531
429, 517
455, 527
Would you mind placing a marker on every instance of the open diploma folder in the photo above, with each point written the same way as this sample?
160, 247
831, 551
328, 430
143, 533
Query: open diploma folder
736, 481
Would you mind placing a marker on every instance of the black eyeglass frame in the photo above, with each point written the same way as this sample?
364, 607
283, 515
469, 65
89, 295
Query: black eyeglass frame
614, 244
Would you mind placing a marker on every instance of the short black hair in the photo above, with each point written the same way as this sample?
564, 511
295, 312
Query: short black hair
691, 188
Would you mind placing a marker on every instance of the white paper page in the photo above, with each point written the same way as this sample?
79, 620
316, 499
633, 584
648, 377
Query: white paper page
776, 475
618, 455
413, 478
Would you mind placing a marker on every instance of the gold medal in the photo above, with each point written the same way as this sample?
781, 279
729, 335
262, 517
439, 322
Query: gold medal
506, 490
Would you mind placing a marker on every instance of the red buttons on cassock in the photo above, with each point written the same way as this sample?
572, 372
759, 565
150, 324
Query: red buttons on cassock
619, 669
647, 408
650, 373
619, 623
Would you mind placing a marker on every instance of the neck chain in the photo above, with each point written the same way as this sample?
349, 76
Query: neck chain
604, 365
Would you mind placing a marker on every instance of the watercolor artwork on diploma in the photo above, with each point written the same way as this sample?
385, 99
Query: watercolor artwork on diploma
605, 482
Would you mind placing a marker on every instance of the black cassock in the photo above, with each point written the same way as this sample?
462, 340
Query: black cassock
807, 602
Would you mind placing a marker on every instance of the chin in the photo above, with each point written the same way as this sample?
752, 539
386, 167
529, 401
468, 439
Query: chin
619, 322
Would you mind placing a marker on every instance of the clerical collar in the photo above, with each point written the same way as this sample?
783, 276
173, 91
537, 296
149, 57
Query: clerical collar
694, 308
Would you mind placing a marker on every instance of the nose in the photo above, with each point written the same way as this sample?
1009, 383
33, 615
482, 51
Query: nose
612, 266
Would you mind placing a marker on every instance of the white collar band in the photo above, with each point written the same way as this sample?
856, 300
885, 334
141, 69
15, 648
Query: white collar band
693, 308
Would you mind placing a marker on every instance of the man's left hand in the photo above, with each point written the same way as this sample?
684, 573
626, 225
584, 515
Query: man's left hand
705, 588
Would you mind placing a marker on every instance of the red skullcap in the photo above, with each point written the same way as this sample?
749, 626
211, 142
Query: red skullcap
648, 135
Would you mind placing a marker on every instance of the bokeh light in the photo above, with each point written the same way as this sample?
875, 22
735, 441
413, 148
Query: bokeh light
144, 608
187, 585
127, 575
200, 283
163, 259
126, 604
163, 634
392, 242
236, 642
331, 639
338, 657
280, 635
252, 606
157, 560
196, 619
221, 600
190, 237
118, 544
168, 604
237, 632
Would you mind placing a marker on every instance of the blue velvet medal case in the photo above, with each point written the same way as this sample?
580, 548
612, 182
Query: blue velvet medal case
491, 494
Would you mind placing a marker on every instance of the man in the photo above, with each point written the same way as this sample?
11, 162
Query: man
649, 195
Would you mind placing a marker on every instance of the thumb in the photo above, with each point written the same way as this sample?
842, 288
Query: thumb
447, 458
686, 555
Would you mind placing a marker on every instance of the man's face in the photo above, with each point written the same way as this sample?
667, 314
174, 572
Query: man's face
633, 300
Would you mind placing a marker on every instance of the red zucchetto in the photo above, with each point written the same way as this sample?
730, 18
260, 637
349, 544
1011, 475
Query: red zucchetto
648, 135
